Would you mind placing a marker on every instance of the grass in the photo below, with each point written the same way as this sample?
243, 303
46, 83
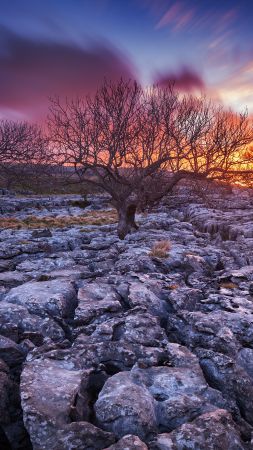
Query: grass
32, 222
228, 285
160, 249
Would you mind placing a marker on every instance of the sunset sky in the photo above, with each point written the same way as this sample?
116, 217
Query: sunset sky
67, 47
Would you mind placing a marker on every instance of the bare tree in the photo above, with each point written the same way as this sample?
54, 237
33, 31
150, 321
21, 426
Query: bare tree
23, 152
220, 151
138, 144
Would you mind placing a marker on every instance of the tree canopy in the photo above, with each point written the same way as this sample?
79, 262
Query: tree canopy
136, 143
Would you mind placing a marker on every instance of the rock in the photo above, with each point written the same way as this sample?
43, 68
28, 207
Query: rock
184, 298
195, 263
150, 350
17, 324
128, 442
175, 411
135, 260
251, 289
180, 356
45, 265
6, 387
221, 331
41, 233
12, 279
10, 352
166, 382
96, 300
50, 395
144, 401
136, 327
243, 272
212, 431
224, 374
141, 296
245, 360
80, 436
45, 298
124, 407
6, 265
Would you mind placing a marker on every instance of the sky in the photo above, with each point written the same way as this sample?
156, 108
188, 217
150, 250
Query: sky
68, 47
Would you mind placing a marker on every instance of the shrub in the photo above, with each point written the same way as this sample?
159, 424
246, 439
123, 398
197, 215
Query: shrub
161, 249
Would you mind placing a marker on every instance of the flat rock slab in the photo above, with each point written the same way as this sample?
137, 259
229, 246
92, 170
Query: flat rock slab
56, 298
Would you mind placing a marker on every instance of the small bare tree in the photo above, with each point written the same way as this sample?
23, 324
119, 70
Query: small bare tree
23, 153
138, 144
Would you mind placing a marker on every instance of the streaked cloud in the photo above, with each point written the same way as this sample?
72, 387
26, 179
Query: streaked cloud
177, 16
237, 89
181, 15
33, 70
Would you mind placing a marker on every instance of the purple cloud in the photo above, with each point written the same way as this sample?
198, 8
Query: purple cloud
185, 79
31, 71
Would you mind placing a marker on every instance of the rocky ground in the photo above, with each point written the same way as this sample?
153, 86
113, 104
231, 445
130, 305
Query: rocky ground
106, 346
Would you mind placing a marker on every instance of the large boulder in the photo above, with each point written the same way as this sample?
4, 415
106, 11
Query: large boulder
125, 407
52, 396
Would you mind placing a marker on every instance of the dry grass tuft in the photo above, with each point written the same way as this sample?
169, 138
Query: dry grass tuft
161, 249
32, 222
173, 287
228, 285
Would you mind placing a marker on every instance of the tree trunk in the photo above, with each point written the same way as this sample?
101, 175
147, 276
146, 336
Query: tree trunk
126, 222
